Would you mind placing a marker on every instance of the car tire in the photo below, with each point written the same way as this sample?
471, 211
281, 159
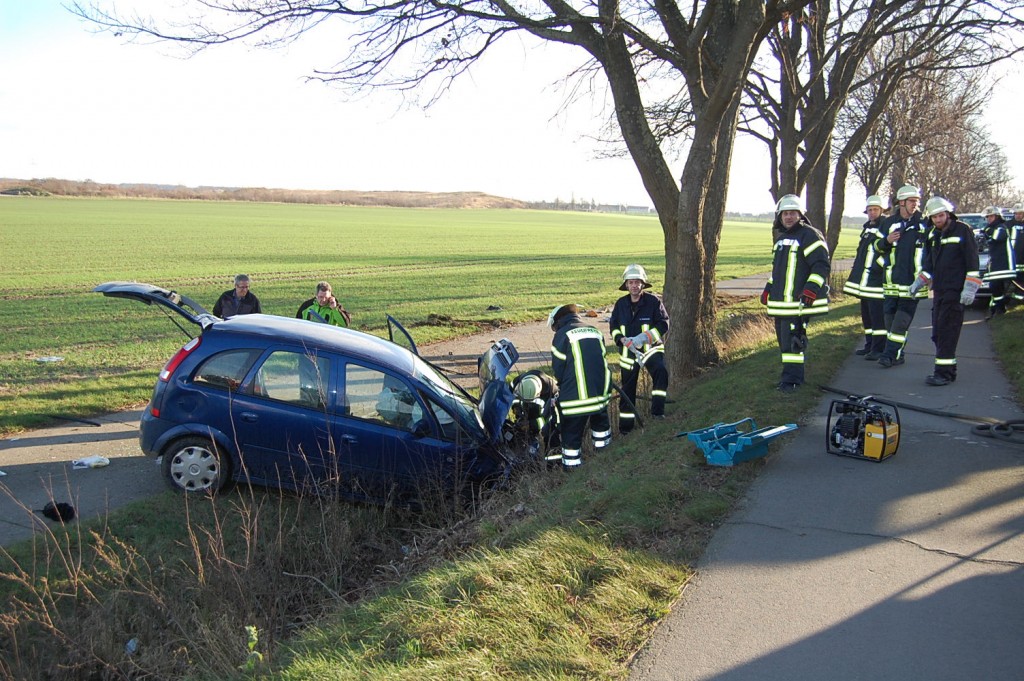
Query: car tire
195, 465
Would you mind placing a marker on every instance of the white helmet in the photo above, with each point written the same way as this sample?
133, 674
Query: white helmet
634, 272
789, 202
937, 204
991, 210
908, 191
528, 388
558, 308
1018, 208
874, 200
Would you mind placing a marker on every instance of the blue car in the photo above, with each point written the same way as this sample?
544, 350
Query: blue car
295, 404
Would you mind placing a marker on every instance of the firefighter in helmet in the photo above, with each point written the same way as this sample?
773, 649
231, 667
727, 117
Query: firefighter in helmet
639, 324
798, 286
1001, 268
902, 245
1016, 228
535, 396
584, 383
951, 269
865, 281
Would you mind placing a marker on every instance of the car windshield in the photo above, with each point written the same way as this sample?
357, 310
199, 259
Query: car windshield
448, 393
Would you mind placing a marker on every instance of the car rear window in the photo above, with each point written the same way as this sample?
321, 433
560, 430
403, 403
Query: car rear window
226, 369
295, 377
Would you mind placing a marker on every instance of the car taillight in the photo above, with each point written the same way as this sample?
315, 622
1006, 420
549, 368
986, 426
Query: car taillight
178, 358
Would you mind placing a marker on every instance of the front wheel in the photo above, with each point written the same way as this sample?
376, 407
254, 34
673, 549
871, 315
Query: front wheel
194, 464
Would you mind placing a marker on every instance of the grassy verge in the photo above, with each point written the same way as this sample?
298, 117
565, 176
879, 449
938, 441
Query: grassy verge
562, 576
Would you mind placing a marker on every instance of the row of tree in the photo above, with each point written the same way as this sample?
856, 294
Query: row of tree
875, 88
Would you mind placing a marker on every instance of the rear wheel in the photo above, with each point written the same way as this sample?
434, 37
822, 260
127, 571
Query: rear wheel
194, 464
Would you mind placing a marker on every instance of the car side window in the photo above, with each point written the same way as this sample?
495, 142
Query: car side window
294, 377
376, 396
226, 369
449, 429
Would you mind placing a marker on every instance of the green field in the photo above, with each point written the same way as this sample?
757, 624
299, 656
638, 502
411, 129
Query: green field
410, 263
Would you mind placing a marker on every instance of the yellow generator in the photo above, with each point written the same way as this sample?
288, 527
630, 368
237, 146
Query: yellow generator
863, 428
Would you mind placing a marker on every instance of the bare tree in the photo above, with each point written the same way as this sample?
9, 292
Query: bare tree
707, 47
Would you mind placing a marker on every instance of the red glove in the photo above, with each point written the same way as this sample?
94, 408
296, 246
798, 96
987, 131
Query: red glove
764, 296
808, 297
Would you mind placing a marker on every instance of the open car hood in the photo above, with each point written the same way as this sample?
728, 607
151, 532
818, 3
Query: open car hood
149, 294
495, 395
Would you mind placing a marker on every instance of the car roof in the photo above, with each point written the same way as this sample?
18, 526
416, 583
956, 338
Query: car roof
322, 336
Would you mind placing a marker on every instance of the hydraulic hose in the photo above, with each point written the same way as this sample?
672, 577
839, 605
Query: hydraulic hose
1009, 432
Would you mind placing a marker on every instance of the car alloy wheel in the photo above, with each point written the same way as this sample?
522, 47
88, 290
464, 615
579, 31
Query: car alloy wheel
194, 464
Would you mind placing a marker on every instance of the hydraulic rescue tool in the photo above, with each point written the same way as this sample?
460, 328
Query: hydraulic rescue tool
862, 428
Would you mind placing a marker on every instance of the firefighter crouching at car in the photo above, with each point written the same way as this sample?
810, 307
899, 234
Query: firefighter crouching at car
865, 281
951, 269
639, 324
535, 396
798, 287
584, 383
1001, 269
902, 245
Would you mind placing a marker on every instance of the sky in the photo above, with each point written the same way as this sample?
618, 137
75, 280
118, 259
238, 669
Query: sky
80, 105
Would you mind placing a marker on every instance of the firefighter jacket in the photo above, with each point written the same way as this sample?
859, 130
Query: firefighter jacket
1000, 250
952, 256
800, 262
905, 258
1016, 230
578, 363
867, 274
538, 408
628, 320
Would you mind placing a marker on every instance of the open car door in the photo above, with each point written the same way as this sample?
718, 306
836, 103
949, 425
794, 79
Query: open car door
399, 336
171, 300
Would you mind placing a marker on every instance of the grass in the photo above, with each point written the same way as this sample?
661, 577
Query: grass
473, 268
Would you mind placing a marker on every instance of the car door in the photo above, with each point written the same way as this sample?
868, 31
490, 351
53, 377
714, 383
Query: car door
388, 435
281, 419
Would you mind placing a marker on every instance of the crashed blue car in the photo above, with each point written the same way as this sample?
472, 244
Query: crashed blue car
289, 403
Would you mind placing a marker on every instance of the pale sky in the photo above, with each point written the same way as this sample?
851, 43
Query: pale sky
79, 105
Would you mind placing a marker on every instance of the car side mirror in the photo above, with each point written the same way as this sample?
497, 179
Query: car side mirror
421, 428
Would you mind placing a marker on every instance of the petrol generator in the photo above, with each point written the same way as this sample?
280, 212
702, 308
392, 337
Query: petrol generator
862, 428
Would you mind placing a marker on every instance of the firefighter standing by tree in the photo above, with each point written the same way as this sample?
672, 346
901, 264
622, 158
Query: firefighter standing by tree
865, 281
535, 396
1001, 269
951, 269
1017, 237
903, 242
584, 383
798, 287
639, 322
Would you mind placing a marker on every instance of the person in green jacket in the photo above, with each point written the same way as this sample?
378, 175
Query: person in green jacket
324, 307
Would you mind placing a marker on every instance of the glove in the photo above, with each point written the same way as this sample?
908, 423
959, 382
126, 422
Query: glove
922, 281
971, 286
764, 296
638, 341
808, 297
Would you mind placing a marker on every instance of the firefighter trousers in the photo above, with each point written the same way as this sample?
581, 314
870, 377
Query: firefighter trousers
792, 336
655, 365
572, 429
872, 316
947, 320
899, 314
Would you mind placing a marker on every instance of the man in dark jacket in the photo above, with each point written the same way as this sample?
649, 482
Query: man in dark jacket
584, 382
1017, 237
798, 286
238, 300
535, 396
902, 246
865, 281
951, 268
639, 324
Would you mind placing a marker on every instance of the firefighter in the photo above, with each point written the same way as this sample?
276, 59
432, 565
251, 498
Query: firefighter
1001, 269
951, 269
1016, 229
902, 245
865, 281
584, 383
798, 286
535, 395
639, 324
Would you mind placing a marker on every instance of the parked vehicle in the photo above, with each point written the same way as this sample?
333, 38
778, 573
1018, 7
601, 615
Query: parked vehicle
977, 222
290, 403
